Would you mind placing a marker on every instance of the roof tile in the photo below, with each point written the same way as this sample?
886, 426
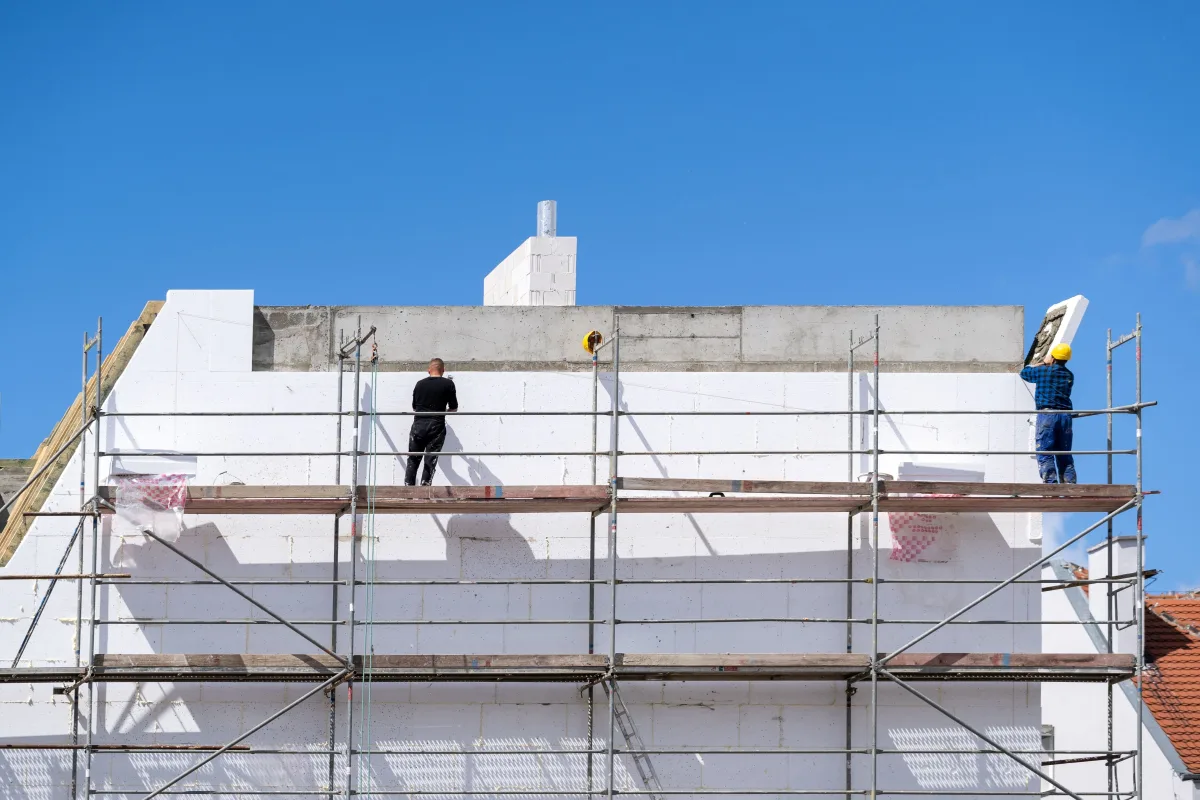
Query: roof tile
1172, 681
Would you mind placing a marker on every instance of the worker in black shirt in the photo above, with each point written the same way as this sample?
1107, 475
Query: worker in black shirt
428, 432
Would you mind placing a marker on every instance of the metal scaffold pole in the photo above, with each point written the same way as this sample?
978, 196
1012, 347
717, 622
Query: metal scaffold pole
875, 664
591, 689
614, 436
1140, 597
354, 549
1113, 587
335, 614
1110, 589
93, 610
241, 738
83, 421
850, 519
32, 479
999, 748
596, 669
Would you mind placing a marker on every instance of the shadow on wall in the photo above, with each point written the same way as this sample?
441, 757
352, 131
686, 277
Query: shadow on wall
263, 352
539, 617
200, 714
472, 547
477, 472
947, 771
42, 775
471, 764
35, 774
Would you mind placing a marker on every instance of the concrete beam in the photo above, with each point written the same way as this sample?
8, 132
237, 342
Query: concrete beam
668, 339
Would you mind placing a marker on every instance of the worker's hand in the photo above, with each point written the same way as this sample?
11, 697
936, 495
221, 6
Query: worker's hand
1049, 359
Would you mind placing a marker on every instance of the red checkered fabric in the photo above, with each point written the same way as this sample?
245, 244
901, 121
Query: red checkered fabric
907, 548
913, 532
151, 492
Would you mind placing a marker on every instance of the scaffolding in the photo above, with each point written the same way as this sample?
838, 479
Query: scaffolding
335, 663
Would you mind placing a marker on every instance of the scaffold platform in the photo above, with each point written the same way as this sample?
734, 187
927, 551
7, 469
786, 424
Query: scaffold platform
707, 496
334, 659
300, 668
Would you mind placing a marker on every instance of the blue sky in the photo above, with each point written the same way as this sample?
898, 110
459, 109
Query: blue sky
704, 153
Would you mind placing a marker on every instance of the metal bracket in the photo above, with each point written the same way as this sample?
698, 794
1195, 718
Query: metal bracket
74, 687
608, 675
347, 675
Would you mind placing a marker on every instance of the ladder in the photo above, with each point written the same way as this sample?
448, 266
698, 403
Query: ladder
641, 759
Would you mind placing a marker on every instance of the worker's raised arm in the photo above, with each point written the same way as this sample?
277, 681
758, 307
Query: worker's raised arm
1031, 374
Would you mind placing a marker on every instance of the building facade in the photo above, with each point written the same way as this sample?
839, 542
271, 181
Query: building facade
524, 584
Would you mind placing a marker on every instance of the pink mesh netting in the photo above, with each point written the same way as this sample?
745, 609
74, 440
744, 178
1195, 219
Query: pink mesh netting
921, 535
152, 501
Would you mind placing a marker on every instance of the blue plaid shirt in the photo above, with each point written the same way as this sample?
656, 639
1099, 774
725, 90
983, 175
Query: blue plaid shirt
1053, 381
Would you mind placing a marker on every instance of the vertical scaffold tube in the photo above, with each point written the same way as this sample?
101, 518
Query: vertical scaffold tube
94, 611
591, 691
614, 437
875, 665
335, 613
350, 636
1140, 598
849, 780
1109, 588
79, 583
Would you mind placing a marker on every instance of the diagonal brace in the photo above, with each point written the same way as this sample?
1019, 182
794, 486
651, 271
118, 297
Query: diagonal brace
49, 463
998, 587
1001, 748
243, 595
46, 597
244, 736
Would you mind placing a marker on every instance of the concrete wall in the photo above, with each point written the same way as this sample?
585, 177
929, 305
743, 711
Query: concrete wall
540, 272
206, 375
959, 339
13, 474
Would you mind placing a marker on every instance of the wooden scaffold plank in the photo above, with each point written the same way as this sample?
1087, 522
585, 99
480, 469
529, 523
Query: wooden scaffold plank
228, 667
755, 497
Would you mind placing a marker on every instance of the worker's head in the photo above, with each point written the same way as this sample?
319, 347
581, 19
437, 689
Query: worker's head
1061, 353
436, 367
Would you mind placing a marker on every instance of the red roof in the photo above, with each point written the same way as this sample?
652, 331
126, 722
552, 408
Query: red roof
1081, 574
1172, 667
1172, 684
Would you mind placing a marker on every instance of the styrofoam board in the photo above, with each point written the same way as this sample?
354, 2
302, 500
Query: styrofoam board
1073, 309
939, 472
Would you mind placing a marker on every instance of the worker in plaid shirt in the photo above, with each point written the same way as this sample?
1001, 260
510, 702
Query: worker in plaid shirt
1054, 382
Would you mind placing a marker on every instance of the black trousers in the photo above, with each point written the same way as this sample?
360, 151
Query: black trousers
428, 436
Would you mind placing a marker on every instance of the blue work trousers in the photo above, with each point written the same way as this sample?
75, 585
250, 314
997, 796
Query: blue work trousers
1054, 433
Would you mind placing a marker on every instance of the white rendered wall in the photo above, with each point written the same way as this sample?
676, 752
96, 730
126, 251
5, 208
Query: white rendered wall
206, 376
1079, 713
1125, 562
540, 272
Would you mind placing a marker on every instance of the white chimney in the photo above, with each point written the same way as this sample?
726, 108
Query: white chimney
540, 272
547, 222
1124, 563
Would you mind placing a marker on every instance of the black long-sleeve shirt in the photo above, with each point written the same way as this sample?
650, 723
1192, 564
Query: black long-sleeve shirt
434, 394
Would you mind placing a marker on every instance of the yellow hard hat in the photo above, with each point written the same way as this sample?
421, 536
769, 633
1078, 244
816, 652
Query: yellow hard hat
1061, 352
592, 339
